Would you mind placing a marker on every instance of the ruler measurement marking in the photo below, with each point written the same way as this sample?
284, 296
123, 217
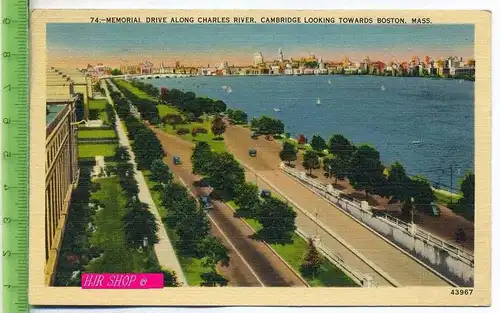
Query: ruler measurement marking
15, 155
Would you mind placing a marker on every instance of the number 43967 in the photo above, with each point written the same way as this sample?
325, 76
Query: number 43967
462, 292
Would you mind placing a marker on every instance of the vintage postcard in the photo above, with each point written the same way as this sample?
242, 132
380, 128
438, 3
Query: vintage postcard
260, 158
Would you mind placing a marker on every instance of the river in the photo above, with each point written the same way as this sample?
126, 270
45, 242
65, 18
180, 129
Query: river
425, 124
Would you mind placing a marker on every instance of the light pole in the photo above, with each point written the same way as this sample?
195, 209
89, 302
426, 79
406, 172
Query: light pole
316, 214
412, 200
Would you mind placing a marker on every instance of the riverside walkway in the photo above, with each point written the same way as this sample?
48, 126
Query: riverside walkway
164, 249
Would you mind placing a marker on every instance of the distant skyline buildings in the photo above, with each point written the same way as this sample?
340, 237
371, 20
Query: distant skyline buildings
198, 44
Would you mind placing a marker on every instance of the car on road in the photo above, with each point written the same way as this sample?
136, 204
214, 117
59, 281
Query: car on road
177, 160
206, 203
265, 193
252, 152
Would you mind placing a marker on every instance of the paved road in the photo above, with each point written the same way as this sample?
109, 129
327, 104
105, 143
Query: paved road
164, 250
252, 263
311, 229
401, 267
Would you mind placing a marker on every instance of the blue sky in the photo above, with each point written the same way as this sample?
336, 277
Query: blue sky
236, 43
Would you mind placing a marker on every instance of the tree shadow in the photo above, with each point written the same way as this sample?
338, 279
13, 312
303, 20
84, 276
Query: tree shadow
262, 236
338, 186
312, 175
218, 138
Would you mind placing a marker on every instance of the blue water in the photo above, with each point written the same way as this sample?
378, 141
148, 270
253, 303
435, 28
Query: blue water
438, 113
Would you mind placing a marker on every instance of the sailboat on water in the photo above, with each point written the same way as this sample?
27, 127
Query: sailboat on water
382, 88
329, 82
318, 101
229, 89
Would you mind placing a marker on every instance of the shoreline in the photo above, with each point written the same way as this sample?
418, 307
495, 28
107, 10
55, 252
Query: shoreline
173, 75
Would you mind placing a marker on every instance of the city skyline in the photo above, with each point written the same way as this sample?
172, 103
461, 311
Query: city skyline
199, 45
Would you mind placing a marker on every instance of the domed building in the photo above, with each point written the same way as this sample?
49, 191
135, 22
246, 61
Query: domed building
258, 58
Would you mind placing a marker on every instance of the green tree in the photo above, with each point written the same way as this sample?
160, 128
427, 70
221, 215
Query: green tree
340, 146
312, 261
311, 161
214, 252
140, 226
170, 278
147, 148
318, 143
422, 194
238, 116
366, 170
213, 279
192, 228
225, 172
465, 205
116, 72
218, 107
122, 154
335, 166
247, 199
399, 185
288, 153
177, 202
201, 158
160, 172
218, 126
406, 210
267, 125
277, 219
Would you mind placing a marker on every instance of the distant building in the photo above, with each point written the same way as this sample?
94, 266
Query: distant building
463, 71
146, 68
258, 59
280, 55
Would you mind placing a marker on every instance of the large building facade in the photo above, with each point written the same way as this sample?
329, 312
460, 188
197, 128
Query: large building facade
61, 169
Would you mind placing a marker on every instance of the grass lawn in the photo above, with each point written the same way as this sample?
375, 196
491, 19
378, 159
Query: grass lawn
216, 145
190, 266
103, 116
109, 235
164, 109
95, 133
99, 104
293, 254
92, 150
139, 93
443, 197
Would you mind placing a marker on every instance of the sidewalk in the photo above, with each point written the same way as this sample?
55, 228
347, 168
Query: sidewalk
164, 250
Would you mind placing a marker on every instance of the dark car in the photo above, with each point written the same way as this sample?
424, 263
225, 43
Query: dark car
206, 203
177, 160
252, 152
265, 193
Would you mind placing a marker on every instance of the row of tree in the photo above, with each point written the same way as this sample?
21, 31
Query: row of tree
276, 217
147, 108
237, 116
183, 215
227, 176
188, 102
362, 166
267, 125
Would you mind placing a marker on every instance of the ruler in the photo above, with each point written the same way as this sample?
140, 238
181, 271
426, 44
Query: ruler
15, 155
